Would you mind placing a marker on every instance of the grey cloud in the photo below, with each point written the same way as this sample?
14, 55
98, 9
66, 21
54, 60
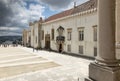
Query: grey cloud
14, 13
10, 11
5, 13
8, 33
11, 31
57, 4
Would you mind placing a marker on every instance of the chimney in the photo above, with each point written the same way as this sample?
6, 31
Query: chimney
30, 24
74, 4
40, 19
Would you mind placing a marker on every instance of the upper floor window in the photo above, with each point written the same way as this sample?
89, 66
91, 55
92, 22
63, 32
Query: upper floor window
52, 33
81, 33
95, 33
69, 34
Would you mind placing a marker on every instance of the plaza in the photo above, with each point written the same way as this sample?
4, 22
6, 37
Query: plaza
22, 64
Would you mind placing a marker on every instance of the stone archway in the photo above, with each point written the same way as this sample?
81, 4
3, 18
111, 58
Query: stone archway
60, 43
60, 48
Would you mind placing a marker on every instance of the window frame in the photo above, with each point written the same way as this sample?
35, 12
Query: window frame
69, 48
81, 49
95, 33
69, 34
36, 39
81, 34
95, 51
42, 34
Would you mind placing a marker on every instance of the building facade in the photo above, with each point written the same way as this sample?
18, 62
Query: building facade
35, 29
71, 31
79, 32
24, 37
28, 38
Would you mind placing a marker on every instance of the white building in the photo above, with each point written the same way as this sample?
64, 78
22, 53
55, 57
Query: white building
72, 31
35, 29
28, 37
24, 37
79, 30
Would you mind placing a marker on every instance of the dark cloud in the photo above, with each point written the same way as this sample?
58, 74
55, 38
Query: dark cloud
5, 13
9, 13
57, 4
13, 14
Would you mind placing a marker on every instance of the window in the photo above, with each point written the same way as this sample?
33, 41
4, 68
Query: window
69, 34
52, 34
42, 35
69, 48
81, 34
95, 33
81, 49
36, 39
95, 51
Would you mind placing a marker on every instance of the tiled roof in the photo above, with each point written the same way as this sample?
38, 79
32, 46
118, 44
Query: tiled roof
59, 15
80, 8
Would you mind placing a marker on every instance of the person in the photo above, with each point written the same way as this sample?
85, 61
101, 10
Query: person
33, 49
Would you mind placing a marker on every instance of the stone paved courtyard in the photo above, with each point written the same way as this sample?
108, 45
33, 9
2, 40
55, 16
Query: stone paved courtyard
21, 64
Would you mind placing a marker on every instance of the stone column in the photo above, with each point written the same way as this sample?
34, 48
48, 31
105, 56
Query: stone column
118, 22
106, 32
106, 66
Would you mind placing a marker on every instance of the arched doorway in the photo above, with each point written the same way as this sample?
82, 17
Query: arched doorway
47, 41
60, 48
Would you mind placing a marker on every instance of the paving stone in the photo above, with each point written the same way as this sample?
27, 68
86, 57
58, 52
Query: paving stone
70, 69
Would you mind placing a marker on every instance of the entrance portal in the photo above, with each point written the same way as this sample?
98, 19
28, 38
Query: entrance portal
60, 48
47, 41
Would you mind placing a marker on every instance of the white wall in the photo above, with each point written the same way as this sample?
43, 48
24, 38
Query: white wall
86, 20
36, 35
31, 28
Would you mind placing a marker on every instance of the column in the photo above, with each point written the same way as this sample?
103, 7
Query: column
106, 33
106, 66
118, 22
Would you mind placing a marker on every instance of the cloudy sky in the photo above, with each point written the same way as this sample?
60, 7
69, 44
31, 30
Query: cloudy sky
15, 15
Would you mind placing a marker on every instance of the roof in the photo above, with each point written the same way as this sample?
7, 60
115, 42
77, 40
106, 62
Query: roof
80, 8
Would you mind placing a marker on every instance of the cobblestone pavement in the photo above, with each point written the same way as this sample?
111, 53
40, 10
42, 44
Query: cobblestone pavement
21, 64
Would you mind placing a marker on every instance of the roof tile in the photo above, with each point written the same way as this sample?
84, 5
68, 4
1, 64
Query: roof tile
80, 8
